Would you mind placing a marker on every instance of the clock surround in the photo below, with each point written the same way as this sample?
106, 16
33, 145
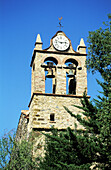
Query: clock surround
61, 43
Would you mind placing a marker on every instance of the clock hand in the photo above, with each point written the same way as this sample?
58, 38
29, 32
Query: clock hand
62, 42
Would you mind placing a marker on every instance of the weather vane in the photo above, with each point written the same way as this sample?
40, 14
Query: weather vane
60, 25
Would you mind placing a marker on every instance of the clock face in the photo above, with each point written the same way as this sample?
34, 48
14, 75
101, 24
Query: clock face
61, 43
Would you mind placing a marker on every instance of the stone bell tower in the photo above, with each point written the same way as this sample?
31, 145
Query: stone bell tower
61, 70
59, 54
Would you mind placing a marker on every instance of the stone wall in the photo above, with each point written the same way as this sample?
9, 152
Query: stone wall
43, 105
22, 129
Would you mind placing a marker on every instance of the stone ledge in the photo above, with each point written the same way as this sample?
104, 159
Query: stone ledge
56, 95
50, 129
47, 129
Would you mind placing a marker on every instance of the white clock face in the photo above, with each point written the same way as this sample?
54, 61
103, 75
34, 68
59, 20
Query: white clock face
61, 43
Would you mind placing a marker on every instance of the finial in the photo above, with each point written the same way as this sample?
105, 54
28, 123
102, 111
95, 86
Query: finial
60, 25
38, 40
81, 47
38, 43
82, 42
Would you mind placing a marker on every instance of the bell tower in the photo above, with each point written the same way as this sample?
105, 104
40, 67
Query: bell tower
62, 71
59, 62
58, 79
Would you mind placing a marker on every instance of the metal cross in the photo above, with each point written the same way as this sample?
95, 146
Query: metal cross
60, 25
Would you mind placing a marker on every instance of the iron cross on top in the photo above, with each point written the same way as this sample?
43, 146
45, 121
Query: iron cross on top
60, 25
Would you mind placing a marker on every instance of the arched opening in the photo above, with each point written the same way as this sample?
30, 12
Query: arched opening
72, 61
54, 60
50, 74
71, 76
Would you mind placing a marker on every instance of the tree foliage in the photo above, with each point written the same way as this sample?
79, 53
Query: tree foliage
63, 151
99, 50
16, 155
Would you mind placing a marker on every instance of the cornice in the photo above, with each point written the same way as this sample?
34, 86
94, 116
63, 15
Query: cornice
55, 95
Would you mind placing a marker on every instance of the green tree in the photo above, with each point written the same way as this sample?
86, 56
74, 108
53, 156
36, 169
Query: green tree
16, 155
82, 149
63, 151
6, 145
99, 51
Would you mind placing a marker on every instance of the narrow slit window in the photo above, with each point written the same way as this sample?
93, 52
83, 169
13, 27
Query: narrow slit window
51, 117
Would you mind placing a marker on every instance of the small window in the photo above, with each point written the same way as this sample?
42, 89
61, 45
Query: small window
51, 117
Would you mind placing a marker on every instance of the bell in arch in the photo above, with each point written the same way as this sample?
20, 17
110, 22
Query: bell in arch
50, 73
71, 71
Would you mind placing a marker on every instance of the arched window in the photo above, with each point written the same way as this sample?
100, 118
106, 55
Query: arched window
71, 76
50, 77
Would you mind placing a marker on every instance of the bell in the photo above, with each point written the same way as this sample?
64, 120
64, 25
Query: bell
50, 64
50, 74
70, 65
71, 73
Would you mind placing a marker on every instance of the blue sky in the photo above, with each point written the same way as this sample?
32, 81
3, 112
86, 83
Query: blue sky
20, 22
